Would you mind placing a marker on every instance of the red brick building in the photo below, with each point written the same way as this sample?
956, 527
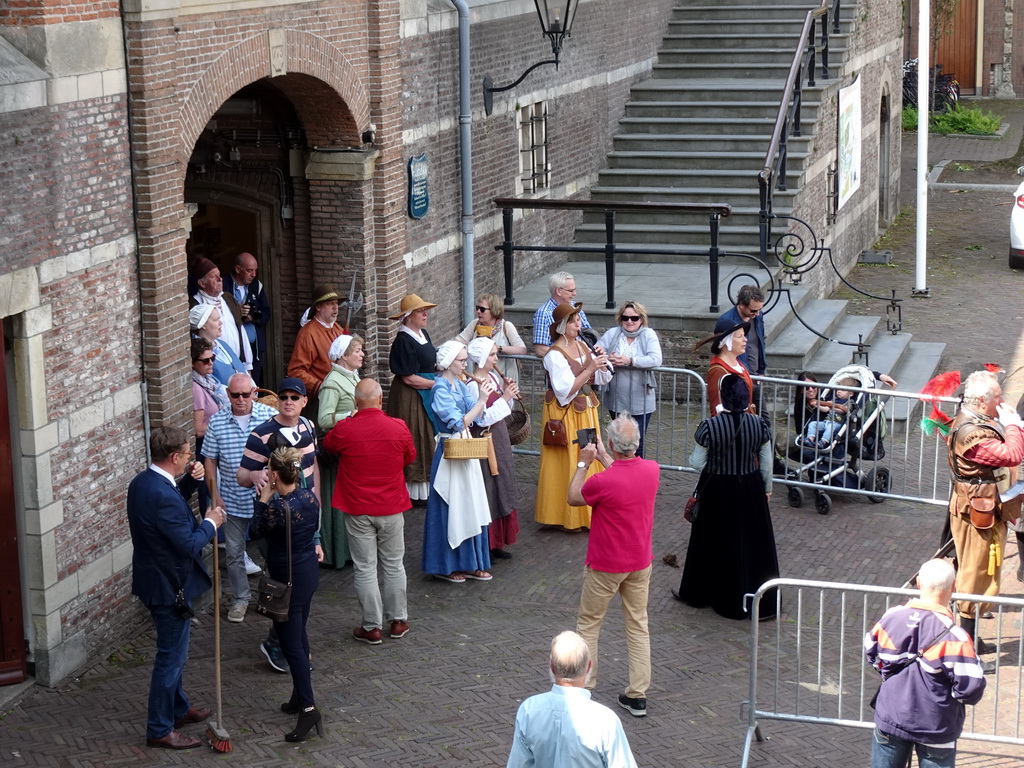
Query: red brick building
134, 132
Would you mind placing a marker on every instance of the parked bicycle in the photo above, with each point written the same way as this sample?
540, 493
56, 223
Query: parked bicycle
945, 90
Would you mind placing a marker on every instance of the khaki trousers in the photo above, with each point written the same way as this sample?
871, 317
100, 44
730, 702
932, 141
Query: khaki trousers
972, 552
632, 587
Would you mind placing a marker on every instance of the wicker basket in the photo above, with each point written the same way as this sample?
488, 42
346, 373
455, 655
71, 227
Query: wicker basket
466, 447
518, 423
267, 397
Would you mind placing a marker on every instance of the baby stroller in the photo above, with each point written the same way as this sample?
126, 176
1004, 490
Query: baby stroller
836, 461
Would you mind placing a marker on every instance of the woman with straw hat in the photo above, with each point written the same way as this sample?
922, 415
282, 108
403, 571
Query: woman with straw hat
570, 404
412, 362
310, 363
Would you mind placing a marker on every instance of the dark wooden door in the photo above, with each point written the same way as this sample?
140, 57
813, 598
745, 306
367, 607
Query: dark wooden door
12, 631
957, 52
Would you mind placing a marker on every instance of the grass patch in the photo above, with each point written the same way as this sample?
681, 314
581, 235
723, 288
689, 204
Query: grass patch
969, 120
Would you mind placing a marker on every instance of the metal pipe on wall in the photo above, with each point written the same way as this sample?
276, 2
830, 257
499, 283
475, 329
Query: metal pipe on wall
466, 166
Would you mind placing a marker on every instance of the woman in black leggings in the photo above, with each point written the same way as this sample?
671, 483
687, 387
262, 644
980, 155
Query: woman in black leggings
281, 497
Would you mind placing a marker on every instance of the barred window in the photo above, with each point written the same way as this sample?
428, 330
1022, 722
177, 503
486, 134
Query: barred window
534, 169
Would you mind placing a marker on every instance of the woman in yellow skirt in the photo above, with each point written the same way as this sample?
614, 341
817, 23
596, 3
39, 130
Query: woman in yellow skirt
569, 401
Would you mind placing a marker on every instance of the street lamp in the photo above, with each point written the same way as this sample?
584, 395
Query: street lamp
556, 18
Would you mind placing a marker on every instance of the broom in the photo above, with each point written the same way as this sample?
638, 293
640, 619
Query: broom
215, 732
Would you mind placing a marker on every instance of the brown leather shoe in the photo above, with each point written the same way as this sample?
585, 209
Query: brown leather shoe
194, 715
399, 628
174, 740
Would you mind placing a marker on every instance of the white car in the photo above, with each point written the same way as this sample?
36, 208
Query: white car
1017, 226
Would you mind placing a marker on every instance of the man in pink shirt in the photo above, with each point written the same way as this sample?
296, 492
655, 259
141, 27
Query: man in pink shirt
373, 450
619, 550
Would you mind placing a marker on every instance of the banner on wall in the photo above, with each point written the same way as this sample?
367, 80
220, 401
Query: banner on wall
849, 141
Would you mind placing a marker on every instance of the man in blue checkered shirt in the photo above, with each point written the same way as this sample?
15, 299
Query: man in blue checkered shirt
223, 446
562, 286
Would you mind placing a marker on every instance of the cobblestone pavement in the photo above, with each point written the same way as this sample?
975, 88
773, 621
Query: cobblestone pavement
447, 693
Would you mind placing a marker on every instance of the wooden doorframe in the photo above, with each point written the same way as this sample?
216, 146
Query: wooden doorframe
13, 653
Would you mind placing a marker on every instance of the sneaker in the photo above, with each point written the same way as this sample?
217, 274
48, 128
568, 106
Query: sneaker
636, 707
399, 628
273, 653
237, 612
251, 569
369, 636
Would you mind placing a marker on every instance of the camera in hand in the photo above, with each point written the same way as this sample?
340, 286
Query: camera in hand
585, 436
254, 310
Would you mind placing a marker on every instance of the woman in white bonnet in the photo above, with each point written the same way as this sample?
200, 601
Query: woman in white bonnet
338, 392
502, 493
455, 544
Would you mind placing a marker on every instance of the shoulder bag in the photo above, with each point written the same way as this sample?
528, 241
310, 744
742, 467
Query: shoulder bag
273, 598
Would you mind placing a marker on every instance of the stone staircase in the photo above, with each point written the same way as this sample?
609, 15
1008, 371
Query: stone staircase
697, 131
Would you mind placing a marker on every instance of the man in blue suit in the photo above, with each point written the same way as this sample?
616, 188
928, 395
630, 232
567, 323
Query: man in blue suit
168, 573
749, 304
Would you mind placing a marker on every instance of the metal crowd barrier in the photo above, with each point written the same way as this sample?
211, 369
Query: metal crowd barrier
908, 466
809, 666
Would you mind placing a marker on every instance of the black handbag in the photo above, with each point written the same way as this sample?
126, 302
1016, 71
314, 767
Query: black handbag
273, 597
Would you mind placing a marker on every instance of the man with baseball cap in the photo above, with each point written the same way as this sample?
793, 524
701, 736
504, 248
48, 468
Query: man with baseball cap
287, 428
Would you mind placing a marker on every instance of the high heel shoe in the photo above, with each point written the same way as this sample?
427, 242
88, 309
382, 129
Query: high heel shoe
292, 706
309, 717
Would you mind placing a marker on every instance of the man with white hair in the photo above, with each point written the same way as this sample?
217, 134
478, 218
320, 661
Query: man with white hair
619, 549
985, 436
562, 287
564, 727
929, 672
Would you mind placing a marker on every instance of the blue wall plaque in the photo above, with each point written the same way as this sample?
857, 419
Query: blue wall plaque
419, 197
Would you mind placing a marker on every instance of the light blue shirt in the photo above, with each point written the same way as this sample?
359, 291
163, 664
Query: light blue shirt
225, 442
563, 727
544, 317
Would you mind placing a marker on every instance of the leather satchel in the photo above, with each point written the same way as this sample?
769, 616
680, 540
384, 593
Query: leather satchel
273, 597
554, 433
983, 512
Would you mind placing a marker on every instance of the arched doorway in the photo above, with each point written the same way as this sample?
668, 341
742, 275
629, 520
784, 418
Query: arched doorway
248, 190
886, 202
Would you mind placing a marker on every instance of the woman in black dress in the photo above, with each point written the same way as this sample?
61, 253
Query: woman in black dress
732, 544
412, 361
281, 496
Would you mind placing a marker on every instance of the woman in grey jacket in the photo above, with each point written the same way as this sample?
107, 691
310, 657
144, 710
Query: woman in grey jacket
633, 348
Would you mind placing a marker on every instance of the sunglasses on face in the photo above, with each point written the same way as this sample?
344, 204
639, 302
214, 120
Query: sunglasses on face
237, 395
207, 359
630, 318
289, 397
483, 309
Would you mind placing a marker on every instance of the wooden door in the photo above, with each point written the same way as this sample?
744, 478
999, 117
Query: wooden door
12, 630
957, 52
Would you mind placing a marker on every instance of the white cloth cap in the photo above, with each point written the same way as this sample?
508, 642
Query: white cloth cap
339, 346
199, 314
479, 348
447, 352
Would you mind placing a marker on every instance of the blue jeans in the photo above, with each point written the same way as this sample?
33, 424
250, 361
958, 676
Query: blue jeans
167, 699
888, 751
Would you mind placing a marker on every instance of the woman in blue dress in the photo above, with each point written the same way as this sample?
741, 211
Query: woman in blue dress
455, 545
206, 323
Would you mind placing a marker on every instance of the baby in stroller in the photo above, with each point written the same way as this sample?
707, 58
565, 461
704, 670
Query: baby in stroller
833, 413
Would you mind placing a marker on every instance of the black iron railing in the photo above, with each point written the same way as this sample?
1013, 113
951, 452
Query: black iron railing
508, 247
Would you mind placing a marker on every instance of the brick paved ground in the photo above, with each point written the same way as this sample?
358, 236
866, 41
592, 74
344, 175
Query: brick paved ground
447, 693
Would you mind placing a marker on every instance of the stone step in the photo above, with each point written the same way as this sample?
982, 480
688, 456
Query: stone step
745, 196
707, 127
830, 357
708, 89
728, 37
736, 113
693, 252
712, 159
740, 233
681, 54
751, 73
743, 178
918, 366
795, 344
754, 12
657, 177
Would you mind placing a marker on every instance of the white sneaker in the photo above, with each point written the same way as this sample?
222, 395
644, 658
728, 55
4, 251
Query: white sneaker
237, 612
251, 569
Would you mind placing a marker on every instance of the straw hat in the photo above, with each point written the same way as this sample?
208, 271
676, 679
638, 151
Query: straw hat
561, 312
410, 303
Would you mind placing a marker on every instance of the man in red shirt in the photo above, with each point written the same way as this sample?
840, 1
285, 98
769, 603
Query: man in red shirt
619, 550
373, 450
